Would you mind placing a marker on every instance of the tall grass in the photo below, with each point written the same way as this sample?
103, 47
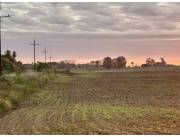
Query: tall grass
15, 89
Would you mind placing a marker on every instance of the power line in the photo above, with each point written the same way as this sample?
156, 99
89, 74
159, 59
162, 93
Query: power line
45, 53
50, 58
34, 44
0, 40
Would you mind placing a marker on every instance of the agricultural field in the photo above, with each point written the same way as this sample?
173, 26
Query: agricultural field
135, 102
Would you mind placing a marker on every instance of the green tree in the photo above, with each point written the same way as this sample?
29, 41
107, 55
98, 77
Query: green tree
150, 62
14, 54
121, 62
107, 62
7, 54
9, 62
41, 66
97, 63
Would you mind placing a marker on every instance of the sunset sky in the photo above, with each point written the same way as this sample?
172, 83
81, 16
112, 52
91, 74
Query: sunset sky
90, 31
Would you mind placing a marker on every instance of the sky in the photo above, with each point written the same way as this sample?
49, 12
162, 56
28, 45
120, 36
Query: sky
91, 31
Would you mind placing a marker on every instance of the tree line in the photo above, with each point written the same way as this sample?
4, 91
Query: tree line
10, 63
119, 62
106, 62
150, 62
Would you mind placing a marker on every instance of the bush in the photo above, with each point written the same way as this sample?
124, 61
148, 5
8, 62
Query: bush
41, 66
15, 89
5, 105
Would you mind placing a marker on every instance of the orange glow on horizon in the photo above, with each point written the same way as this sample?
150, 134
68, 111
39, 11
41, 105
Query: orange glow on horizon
137, 61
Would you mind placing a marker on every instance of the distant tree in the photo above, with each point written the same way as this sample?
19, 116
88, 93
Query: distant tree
107, 62
92, 63
7, 54
41, 66
97, 63
163, 62
145, 65
150, 62
121, 62
132, 64
14, 54
114, 63
66, 65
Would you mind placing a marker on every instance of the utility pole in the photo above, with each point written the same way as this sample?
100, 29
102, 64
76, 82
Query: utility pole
45, 52
50, 57
34, 44
0, 40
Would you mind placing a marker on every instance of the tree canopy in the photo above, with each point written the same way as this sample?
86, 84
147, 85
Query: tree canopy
9, 62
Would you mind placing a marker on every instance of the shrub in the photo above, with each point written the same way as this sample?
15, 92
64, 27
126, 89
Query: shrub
42, 66
5, 105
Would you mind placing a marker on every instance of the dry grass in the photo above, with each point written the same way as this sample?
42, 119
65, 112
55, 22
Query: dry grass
97, 103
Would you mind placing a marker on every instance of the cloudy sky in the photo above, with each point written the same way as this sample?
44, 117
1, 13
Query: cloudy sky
88, 31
